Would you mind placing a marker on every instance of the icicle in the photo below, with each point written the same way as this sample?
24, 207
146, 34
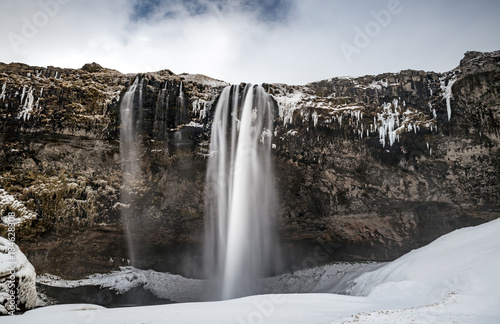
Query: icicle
181, 95
22, 94
315, 118
447, 94
27, 107
2, 94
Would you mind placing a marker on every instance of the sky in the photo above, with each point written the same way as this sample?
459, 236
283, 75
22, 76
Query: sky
257, 41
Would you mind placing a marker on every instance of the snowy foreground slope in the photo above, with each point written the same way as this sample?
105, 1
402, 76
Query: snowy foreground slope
455, 279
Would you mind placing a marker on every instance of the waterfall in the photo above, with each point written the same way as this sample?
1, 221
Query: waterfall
181, 96
182, 114
239, 240
130, 127
160, 120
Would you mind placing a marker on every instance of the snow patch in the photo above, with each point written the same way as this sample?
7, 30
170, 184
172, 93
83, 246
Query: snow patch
9, 202
331, 278
203, 79
120, 205
287, 104
162, 285
378, 85
194, 124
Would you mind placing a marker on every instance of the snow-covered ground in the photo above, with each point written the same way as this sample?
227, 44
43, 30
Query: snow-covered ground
455, 279
162, 285
331, 278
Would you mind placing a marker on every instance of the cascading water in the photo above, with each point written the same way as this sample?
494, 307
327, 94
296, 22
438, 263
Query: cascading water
130, 118
160, 121
240, 245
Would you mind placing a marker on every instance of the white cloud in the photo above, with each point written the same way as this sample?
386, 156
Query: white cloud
235, 41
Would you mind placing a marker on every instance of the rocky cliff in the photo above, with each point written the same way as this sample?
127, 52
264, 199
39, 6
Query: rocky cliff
366, 168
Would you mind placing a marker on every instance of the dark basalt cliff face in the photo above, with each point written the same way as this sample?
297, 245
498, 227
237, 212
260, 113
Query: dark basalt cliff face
366, 168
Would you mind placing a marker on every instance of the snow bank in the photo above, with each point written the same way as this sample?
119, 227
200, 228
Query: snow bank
331, 278
17, 279
161, 285
454, 262
458, 273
